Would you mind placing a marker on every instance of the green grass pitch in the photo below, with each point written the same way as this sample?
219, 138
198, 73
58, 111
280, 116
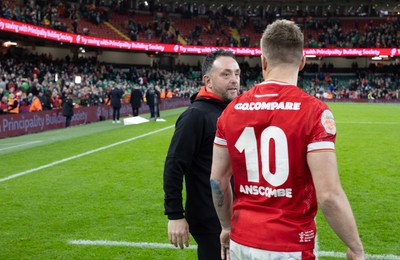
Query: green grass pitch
103, 182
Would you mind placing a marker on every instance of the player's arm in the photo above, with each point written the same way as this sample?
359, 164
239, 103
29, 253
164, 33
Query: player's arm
221, 190
333, 200
221, 173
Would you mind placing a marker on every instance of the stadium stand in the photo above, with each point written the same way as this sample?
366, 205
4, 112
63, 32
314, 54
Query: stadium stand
211, 25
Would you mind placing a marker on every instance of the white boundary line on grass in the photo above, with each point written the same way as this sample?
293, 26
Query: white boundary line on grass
169, 246
82, 154
370, 123
128, 244
18, 145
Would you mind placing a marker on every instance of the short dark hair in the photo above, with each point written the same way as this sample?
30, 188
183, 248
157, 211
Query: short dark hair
282, 42
212, 56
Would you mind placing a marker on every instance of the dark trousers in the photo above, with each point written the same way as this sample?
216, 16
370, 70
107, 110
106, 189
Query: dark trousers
151, 111
154, 111
68, 121
116, 113
208, 246
135, 110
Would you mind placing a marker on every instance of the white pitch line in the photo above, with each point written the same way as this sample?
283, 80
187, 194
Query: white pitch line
82, 154
19, 145
370, 123
129, 244
169, 246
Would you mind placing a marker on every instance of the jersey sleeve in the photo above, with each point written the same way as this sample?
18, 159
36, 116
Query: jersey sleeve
220, 134
323, 134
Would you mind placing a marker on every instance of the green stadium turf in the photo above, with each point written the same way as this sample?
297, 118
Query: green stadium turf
102, 183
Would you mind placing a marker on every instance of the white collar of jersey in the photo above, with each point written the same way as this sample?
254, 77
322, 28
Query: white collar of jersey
275, 82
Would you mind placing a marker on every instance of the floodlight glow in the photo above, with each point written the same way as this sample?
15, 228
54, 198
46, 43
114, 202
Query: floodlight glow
9, 43
78, 79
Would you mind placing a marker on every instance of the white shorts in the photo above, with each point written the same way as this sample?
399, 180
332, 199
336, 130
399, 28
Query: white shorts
241, 252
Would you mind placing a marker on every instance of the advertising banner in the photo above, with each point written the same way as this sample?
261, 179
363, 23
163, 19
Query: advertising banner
33, 122
54, 35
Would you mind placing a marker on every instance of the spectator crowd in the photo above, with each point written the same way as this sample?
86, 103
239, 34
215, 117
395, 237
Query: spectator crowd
26, 80
226, 25
25, 77
29, 76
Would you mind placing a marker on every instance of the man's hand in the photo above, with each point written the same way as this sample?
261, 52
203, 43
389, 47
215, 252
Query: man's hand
178, 232
225, 240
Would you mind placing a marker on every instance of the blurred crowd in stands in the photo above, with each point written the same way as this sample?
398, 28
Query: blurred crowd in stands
27, 77
218, 25
333, 33
368, 86
30, 78
377, 81
24, 78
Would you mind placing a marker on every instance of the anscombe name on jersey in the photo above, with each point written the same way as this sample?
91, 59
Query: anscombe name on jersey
266, 191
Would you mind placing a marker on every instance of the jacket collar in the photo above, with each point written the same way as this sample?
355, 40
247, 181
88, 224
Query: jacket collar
204, 94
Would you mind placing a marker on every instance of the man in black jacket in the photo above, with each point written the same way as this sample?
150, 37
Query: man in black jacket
152, 100
190, 157
115, 96
136, 99
68, 108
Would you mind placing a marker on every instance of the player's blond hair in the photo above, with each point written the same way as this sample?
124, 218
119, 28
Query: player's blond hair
282, 42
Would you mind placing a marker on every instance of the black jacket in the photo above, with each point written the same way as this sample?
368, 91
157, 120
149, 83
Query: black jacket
190, 156
136, 97
68, 107
47, 104
152, 97
115, 97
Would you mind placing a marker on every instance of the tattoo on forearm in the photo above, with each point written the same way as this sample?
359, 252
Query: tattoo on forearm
219, 195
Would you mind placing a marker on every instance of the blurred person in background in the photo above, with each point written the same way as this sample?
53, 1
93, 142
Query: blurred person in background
3, 84
56, 99
157, 102
68, 108
152, 100
47, 101
2, 92
189, 157
136, 99
4, 105
114, 97
13, 105
36, 105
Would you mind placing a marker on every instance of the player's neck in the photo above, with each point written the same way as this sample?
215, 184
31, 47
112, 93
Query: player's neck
282, 74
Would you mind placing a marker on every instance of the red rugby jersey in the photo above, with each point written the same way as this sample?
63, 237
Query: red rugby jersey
268, 132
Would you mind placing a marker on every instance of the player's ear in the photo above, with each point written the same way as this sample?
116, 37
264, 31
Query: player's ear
302, 63
263, 63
